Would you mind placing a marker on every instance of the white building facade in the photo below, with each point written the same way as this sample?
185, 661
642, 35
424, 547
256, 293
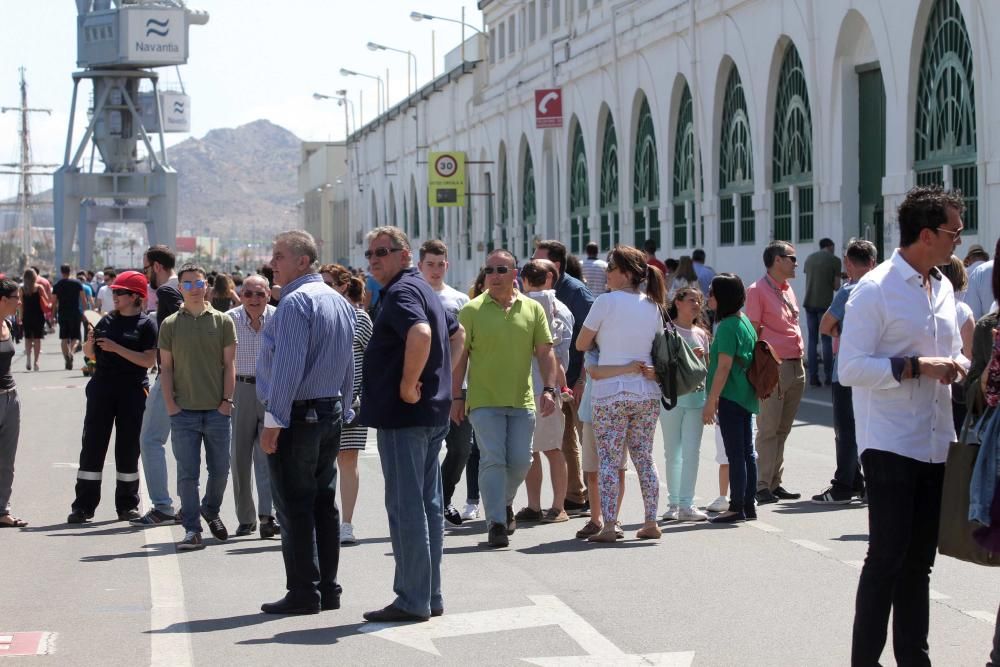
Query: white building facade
323, 188
804, 118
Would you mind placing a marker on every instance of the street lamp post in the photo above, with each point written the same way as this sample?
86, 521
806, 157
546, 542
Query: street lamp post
381, 84
372, 46
420, 16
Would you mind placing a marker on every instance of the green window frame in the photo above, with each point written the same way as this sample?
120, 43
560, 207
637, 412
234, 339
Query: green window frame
579, 195
504, 208
945, 127
646, 181
609, 211
735, 166
792, 153
528, 207
685, 232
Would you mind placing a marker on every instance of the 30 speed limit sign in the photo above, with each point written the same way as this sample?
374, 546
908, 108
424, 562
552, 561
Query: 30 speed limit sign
446, 178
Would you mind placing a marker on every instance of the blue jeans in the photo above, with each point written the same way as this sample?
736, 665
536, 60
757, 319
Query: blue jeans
472, 473
682, 428
189, 428
848, 477
413, 502
504, 439
737, 438
813, 316
152, 446
304, 488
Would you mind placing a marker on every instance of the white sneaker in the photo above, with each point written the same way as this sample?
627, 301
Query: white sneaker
671, 513
347, 534
470, 512
691, 513
720, 504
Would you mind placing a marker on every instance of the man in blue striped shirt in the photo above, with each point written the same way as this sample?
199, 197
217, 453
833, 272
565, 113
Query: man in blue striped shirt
304, 369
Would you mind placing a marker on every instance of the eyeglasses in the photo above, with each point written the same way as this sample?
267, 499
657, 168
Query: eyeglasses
490, 270
248, 294
955, 233
193, 284
121, 292
795, 260
381, 252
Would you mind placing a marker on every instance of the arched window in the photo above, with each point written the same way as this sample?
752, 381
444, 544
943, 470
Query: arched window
792, 160
579, 196
945, 142
374, 211
490, 214
685, 232
414, 221
392, 207
609, 187
504, 208
735, 166
467, 237
406, 220
439, 232
646, 189
528, 208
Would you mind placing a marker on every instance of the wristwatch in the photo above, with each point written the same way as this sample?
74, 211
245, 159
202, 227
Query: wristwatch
549, 390
228, 400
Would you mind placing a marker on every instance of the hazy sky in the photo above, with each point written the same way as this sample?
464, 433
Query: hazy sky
254, 59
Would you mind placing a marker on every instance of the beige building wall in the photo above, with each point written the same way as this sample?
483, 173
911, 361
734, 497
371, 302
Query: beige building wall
323, 186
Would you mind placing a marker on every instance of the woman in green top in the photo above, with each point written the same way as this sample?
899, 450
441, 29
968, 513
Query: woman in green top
731, 399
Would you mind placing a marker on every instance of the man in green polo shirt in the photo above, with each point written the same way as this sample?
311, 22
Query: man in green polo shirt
198, 375
503, 330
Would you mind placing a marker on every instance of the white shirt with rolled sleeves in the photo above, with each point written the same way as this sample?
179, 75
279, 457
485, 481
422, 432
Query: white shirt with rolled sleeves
892, 316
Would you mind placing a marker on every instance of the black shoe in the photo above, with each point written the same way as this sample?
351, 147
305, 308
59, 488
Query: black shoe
783, 494
437, 612
129, 515
69, 363
498, 535
288, 606
511, 520
178, 519
393, 614
574, 508
245, 529
814, 382
527, 514
452, 515
828, 382
269, 527
833, 496
218, 528
728, 517
765, 497
330, 597
750, 514
79, 516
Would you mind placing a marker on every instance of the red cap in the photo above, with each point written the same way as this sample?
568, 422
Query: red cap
133, 281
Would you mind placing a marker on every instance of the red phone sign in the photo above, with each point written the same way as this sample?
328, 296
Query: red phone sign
548, 108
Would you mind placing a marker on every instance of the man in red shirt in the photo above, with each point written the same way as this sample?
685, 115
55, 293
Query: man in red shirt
774, 312
649, 245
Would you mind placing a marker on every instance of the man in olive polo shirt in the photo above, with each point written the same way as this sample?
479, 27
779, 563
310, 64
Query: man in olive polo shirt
198, 375
503, 329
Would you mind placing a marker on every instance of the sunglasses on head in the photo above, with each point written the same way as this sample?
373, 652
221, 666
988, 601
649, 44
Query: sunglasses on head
248, 294
193, 284
490, 270
381, 252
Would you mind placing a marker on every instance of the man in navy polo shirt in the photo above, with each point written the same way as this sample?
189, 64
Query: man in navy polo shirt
406, 395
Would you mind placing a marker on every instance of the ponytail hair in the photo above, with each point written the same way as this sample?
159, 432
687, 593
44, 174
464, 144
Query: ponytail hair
656, 287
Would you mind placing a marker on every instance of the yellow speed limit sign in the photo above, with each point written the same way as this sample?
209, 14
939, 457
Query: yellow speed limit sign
446, 178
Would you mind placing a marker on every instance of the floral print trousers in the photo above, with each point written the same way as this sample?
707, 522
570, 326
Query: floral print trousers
620, 425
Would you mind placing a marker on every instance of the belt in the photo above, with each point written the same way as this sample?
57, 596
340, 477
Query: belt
8, 391
249, 379
312, 402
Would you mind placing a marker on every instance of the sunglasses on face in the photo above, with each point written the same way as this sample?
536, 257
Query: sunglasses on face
248, 294
381, 252
795, 260
193, 284
121, 292
490, 270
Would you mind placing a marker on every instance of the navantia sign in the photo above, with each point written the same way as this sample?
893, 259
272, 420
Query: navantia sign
548, 108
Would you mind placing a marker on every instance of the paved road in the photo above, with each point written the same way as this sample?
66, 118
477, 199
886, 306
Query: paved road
776, 592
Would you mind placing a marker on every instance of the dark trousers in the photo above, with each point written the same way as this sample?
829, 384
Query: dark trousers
118, 405
848, 477
904, 501
472, 471
459, 444
813, 317
737, 438
303, 485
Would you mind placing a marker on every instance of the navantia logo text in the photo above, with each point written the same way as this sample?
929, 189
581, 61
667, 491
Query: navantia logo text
178, 107
154, 27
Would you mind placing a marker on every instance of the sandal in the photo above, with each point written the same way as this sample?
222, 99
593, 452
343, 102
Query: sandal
607, 534
590, 529
8, 521
649, 533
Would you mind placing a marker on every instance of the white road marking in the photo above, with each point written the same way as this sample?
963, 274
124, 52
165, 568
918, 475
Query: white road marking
812, 546
937, 595
766, 527
545, 610
856, 564
987, 616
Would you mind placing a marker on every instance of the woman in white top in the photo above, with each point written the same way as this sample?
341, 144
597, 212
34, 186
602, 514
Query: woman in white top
623, 323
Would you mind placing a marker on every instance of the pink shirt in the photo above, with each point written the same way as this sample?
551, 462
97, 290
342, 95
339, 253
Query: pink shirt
780, 319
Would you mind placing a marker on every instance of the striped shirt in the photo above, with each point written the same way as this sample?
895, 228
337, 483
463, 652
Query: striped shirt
306, 350
595, 274
362, 334
249, 347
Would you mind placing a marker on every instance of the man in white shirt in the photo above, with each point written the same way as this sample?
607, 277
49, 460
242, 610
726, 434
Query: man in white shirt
901, 354
979, 295
105, 304
595, 271
433, 267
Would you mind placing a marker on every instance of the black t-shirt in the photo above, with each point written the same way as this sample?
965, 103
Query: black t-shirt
135, 332
168, 302
68, 291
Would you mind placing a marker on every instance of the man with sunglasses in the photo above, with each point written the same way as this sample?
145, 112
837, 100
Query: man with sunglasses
407, 395
248, 413
774, 313
198, 372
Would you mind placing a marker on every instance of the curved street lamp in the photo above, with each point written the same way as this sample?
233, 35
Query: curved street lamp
420, 16
381, 84
372, 46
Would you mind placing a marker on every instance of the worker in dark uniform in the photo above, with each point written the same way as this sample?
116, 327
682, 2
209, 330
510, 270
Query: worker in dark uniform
123, 345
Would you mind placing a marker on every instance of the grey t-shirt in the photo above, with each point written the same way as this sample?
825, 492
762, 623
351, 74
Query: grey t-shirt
453, 301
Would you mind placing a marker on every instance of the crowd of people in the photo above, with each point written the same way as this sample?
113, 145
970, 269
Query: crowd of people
279, 376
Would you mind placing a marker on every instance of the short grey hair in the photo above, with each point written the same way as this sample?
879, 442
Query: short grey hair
257, 278
300, 244
399, 238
